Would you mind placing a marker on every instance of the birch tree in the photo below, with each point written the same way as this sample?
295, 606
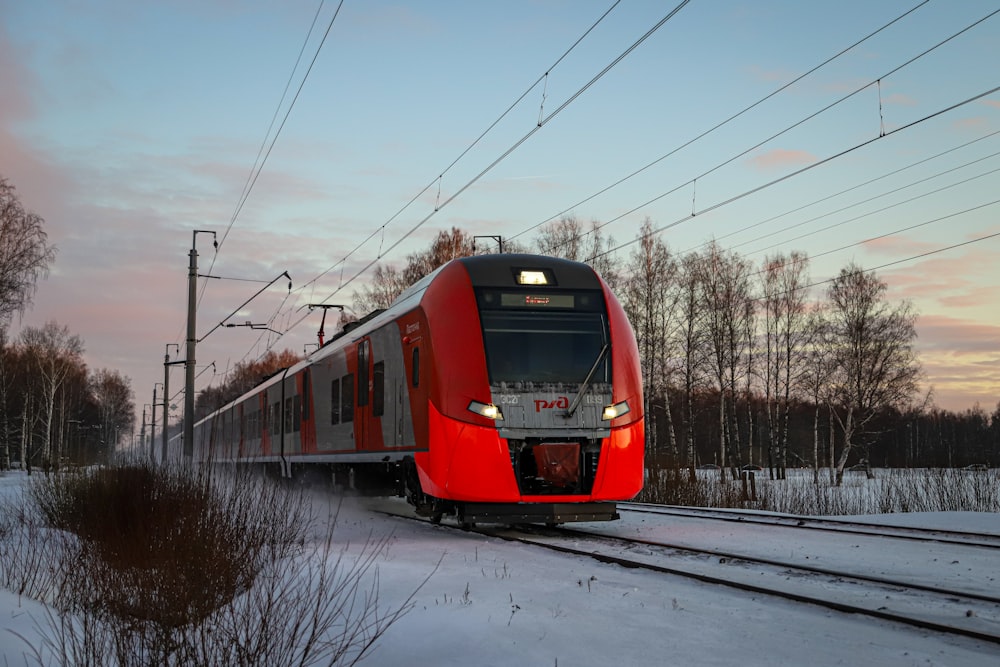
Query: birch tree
785, 336
112, 394
724, 279
649, 297
25, 254
54, 353
874, 363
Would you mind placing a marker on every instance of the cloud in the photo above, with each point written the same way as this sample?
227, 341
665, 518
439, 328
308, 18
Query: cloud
780, 158
770, 75
900, 99
963, 357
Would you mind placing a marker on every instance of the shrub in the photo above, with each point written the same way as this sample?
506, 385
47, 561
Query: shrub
172, 566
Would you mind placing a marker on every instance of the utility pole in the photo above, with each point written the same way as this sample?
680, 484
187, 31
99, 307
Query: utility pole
166, 395
498, 239
192, 341
152, 428
142, 430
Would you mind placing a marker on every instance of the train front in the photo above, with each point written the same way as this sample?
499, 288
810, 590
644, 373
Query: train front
541, 393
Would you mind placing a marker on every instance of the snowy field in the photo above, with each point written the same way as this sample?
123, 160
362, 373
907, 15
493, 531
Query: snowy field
489, 602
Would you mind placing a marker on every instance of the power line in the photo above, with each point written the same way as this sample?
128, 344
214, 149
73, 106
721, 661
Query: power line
873, 212
468, 148
856, 187
724, 122
882, 133
786, 177
541, 123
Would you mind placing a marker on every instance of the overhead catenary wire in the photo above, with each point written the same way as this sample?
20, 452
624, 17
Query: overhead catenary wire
880, 134
883, 209
857, 186
437, 179
758, 188
785, 177
507, 152
259, 161
725, 122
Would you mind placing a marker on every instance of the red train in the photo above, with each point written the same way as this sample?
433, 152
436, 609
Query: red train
499, 388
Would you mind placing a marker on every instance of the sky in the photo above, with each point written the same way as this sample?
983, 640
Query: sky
494, 603
320, 138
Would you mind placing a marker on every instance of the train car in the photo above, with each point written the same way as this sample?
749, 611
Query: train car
499, 388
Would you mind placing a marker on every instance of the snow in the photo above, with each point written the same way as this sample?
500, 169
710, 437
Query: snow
490, 602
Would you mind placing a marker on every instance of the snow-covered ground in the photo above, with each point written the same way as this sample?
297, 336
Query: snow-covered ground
495, 603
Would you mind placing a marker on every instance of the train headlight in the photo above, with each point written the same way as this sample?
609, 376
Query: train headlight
616, 410
530, 277
487, 410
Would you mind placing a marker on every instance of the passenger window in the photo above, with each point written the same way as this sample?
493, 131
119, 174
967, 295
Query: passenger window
415, 379
347, 399
378, 389
335, 401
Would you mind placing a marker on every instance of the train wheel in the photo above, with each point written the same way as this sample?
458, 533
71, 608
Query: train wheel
436, 517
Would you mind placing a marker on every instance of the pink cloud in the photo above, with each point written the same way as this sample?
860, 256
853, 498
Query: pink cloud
901, 100
15, 102
961, 360
770, 76
897, 246
975, 123
780, 157
991, 103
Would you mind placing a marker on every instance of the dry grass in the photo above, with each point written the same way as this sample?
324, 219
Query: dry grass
145, 565
895, 490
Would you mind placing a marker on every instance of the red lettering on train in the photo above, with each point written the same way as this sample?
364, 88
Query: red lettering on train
561, 402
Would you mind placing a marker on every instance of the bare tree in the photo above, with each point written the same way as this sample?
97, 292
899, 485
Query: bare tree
875, 363
389, 282
724, 279
112, 393
691, 341
785, 336
566, 238
561, 238
650, 300
386, 284
446, 246
25, 254
54, 353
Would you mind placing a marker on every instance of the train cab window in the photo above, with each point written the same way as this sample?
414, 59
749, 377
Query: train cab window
378, 389
538, 346
415, 379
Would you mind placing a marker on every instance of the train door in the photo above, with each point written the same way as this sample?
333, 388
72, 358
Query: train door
362, 395
370, 398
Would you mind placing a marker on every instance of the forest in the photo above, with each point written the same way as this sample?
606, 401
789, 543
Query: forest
744, 363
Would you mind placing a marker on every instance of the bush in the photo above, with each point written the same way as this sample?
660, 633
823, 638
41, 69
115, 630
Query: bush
171, 566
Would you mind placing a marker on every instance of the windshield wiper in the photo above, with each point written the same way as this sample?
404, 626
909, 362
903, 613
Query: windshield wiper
586, 383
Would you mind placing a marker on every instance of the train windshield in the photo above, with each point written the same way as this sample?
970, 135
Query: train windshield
544, 346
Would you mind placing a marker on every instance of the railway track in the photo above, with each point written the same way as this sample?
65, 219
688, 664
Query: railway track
965, 538
929, 607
